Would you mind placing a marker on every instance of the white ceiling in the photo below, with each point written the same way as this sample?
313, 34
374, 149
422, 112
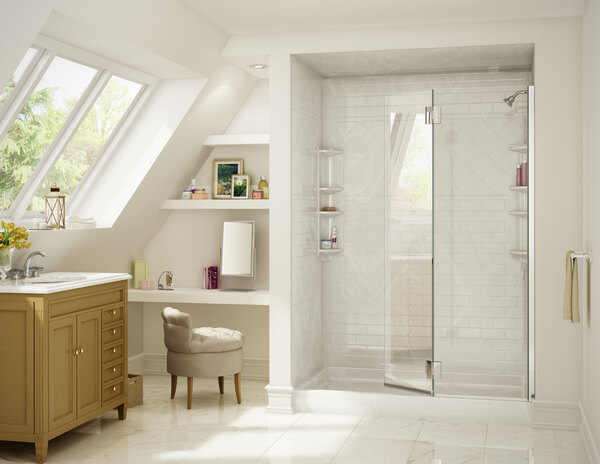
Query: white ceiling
432, 60
254, 16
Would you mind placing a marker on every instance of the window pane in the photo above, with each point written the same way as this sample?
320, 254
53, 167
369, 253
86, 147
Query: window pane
83, 149
12, 82
38, 123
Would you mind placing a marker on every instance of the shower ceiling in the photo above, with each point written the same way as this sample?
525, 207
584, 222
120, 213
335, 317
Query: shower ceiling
432, 60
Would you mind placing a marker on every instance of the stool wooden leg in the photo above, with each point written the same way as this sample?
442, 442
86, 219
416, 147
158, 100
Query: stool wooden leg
190, 389
221, 381
173, 385
238, 387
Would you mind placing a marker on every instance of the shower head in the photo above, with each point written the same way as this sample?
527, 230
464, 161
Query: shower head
510, 100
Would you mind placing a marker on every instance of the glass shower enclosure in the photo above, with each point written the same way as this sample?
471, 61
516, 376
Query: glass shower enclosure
458, 242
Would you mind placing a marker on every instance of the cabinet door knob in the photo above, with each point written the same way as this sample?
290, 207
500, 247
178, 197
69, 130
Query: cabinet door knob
76, 352
114, 312
81, 351
113, 389
113, 331
114, 369
113, 350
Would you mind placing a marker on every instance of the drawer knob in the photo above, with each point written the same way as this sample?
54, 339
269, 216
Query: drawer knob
76, 353
114, 369
114, 312
113, 331
113, 350
113, 389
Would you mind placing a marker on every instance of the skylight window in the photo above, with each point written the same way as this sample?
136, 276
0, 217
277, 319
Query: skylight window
58, 116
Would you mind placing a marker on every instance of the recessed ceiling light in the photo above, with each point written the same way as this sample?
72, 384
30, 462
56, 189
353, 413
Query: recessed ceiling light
259, 66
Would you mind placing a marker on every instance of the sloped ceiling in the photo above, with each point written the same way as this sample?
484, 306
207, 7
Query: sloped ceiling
243, 16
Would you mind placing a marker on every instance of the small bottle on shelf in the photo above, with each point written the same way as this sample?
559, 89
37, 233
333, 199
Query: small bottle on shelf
523, 173
264, 186
518, 179
334, 243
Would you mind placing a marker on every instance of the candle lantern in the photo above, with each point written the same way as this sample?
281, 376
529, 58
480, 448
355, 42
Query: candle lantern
55, 208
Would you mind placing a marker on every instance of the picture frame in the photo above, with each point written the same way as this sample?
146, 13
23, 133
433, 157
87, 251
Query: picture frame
223, 170
240, 186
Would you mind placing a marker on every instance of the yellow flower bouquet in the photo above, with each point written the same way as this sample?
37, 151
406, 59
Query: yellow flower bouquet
13, 237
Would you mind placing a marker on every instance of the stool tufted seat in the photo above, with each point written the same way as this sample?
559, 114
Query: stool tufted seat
201, 352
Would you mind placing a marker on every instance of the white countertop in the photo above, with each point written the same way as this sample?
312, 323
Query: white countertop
52, 282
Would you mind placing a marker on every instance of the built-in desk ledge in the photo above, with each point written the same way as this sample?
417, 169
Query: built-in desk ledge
200, 296
215, 204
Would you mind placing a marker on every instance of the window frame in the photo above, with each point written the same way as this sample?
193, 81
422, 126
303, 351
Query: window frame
47, 50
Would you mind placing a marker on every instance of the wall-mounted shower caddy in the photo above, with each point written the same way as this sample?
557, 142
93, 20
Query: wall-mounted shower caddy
330, 194
519, 207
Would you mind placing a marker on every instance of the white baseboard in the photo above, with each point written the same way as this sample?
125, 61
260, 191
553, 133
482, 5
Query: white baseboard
588, 439
280, 399
254, 368
136, 364
557, 414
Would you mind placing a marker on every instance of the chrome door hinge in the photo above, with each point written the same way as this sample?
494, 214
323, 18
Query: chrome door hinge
433, 369
433, 115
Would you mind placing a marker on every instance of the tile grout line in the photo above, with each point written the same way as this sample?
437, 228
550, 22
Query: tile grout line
347, 438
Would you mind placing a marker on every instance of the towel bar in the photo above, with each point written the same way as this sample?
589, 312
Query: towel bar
581, 254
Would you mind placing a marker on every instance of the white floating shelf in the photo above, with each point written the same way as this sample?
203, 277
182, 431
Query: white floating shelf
330, 213
230, 140
519, 188
330, 190
518, 213
215, 204
200, 296
331, 151
518, 148
518, 252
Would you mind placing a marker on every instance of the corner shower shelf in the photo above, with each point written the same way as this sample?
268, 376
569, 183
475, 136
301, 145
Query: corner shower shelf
518, 213
330, 190
329, 253
330, 151
518, 252
330, 173
519, 188
330, 213
522, 148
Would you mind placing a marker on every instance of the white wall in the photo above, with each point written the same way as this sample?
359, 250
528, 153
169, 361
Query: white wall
591, 197
558, 164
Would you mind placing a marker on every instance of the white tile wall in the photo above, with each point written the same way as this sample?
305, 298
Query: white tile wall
480, 312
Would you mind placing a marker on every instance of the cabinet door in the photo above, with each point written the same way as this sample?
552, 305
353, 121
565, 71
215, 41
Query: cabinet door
89, 369
16, 365
62, 371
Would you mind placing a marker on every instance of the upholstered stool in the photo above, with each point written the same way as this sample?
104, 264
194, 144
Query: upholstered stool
203, 352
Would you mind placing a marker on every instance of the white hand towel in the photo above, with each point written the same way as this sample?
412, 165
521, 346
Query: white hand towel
571, 303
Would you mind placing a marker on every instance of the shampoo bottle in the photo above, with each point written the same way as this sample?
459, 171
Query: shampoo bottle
518, 180
334, 243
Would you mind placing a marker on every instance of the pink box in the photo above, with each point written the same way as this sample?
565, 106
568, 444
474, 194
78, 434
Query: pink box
147, 285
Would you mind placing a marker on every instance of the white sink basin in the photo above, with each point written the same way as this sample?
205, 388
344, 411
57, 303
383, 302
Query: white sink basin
51, 279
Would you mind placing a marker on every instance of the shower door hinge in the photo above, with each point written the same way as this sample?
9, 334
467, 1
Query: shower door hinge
433, 369
433, 115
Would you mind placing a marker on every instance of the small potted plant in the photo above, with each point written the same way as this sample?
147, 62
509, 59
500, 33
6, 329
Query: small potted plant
11, 237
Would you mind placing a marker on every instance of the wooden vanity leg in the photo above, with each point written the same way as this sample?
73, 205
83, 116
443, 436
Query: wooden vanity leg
238, 387
221, 381
173, 385
41, 450
190, 389
122, 411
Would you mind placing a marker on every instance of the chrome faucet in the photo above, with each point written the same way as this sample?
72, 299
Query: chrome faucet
29, 272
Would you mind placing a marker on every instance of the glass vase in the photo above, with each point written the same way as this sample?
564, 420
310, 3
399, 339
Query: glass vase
5, 261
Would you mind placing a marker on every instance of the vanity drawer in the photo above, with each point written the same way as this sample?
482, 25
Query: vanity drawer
113, 353
110, 315
112, 372
112, 391
112, 334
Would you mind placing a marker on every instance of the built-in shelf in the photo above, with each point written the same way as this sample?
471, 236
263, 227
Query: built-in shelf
518, 252
330, 213
215, 204
330, 190
330, 151
522, 148
231, 140
518, 213
519, 188
200, 296
330, 251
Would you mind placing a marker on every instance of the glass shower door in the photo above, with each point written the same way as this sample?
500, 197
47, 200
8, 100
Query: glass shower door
409, 243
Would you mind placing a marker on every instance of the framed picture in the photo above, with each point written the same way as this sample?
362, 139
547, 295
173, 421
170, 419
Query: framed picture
223, 170
241, 185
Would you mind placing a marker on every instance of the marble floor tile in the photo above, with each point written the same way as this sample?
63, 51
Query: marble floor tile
519, 437
427, 453
360, 450
443, 433
388, 427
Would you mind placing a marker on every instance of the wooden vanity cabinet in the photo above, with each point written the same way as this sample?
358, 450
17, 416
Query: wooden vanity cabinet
63, 359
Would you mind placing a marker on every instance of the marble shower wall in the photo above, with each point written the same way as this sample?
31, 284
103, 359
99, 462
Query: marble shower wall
307, 346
